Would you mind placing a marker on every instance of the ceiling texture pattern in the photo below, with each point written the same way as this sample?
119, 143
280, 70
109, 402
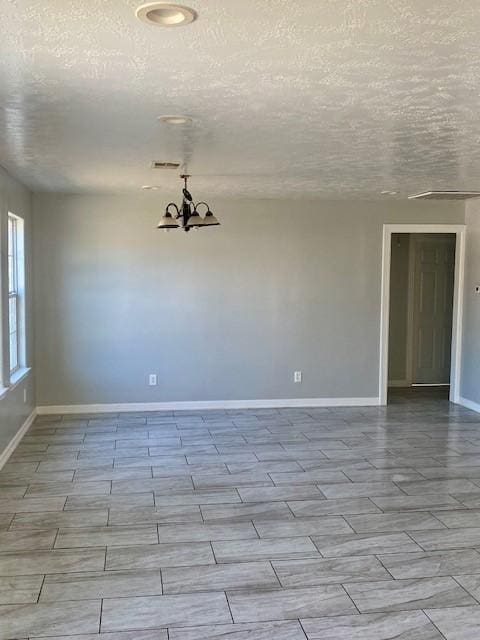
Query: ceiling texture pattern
319, 98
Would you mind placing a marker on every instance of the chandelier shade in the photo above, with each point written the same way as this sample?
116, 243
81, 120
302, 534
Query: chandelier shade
195, 220
210, 220
167, 221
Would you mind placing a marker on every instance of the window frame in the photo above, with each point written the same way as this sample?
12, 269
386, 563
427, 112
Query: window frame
15, 281
13, 293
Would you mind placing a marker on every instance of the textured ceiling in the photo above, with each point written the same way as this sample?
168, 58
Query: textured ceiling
326, 98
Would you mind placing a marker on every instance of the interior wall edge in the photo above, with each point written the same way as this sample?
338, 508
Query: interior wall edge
15, 441
18, 401
469, 404
470, 374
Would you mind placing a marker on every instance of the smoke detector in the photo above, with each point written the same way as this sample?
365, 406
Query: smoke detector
445, 195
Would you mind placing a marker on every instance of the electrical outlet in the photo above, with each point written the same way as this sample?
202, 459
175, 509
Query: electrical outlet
25, 396
152, 380
297, 376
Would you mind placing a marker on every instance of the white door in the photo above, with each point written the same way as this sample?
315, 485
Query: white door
434, 259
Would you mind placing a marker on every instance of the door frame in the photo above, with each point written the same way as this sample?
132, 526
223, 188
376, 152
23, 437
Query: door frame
457, 321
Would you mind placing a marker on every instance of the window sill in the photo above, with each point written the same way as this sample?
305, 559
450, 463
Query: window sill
15, 379
18, 376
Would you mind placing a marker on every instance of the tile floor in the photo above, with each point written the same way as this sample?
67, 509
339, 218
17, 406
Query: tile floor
327, 524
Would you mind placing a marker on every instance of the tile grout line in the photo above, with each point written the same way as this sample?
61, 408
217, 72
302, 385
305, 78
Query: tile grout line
433, 623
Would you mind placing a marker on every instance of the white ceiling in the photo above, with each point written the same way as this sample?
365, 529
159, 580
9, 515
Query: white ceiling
325, 98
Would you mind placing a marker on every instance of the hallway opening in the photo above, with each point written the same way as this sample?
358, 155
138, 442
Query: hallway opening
422, 277
421, 307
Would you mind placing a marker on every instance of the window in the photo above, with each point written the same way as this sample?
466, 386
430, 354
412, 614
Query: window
16, 300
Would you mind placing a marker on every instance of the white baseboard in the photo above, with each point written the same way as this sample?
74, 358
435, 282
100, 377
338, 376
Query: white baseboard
208, 404
15, 441
469, 404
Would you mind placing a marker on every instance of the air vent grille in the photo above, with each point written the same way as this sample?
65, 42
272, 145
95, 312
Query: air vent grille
445, 195
165, 165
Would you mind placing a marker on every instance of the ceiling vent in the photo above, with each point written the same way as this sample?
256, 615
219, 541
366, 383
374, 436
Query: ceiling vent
445, 195
165, 165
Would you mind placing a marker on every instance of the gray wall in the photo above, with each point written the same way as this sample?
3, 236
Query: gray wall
399, 277
13, 410
224, 313
470, 385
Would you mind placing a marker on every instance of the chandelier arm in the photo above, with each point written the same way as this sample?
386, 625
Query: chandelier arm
199, 203
172, 204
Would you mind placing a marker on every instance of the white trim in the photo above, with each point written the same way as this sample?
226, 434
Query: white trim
457, 325
469, 404
207, 404
17, 377
459, 230
384, 314
430, 384
4, 359
452, 194
410, 309
15, 441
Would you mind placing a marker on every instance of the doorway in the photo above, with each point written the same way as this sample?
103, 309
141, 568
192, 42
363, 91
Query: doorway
422, 288
422, 276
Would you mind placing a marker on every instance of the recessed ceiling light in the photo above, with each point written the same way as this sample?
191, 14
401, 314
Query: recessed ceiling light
388, 193
165, 14
175, 119
145, 187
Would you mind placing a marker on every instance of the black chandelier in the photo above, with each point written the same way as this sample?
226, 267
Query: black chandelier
186, 216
